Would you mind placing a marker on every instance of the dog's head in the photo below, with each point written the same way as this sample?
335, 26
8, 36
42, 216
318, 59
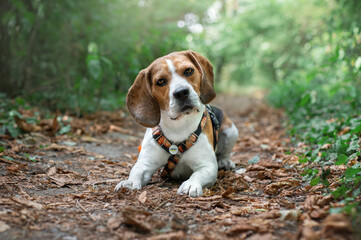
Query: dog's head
177, 83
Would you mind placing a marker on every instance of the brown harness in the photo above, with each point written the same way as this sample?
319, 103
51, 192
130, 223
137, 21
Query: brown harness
176, 150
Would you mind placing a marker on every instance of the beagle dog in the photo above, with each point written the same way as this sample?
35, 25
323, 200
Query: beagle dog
170, 98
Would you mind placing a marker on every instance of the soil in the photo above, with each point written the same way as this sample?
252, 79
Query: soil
61, 187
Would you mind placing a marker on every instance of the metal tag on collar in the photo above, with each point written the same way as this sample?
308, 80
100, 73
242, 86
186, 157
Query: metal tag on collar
173, 149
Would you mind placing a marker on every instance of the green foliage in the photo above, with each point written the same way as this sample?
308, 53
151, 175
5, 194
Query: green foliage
8, 111
322, 96
84, 55
11, 109
30, 158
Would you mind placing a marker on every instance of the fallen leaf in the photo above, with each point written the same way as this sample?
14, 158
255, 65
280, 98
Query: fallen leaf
114, 128
336, 224
265, 147
273, 188
326, 146
310, 233
66, 179
114, 223
55, 126
270, 215
13, 168
3, 226
255, 167
228, 192
292, 215
142, 197
286, 203
248, 179
258, 236
137, 219
57, 147
170, 236
311, 230
241, 171
222, 217
25, 126
318, 213
344, 131
27, 203
313, 201
240, 228
51, 171
240, 211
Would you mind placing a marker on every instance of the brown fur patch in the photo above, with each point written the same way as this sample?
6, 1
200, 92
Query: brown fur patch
227, 123
159, 69
208, 130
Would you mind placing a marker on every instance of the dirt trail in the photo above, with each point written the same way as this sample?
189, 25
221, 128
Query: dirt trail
67, 192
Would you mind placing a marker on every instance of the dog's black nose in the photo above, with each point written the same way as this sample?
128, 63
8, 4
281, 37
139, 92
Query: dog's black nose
181, 94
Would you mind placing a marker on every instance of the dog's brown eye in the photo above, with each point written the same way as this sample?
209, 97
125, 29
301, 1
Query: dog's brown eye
161, 82
188, 72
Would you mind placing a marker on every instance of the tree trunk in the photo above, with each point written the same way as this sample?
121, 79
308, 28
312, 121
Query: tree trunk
5, 54
219, 69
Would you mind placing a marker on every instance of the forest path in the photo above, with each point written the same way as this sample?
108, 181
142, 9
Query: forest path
66, 191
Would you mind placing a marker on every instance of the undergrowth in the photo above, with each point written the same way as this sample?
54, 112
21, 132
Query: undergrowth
323, 104
18, 117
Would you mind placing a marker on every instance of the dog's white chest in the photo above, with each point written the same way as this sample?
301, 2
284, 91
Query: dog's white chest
198, 155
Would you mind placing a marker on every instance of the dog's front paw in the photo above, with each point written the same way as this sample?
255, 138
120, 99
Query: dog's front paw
191, 188
226, 164
127, 184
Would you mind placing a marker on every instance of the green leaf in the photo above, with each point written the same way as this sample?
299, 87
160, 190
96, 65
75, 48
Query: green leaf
340, 191
64, 129
8, 158
305, 100
325, 182
356, 129
2, 148
13, 113
31, 158
20, 101
254, 160
94, 68
303, 160
315, 181
358, 63
341, 159
354, 146
69, 143
357, 192
351, 172
14, 131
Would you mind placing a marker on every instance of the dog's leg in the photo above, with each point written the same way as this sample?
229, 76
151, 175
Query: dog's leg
140, 175
203, 176
227, 139
205, 168
150, 159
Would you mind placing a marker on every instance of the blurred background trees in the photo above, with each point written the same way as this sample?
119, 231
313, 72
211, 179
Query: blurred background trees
83, 55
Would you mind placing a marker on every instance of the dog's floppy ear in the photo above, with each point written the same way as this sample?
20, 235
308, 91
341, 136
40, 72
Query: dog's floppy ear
140, 102
206, 70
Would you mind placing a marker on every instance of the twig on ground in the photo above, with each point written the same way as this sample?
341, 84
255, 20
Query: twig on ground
85, 210
160, 205
205, 198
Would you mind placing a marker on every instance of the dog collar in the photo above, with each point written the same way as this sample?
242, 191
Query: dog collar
176, 150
